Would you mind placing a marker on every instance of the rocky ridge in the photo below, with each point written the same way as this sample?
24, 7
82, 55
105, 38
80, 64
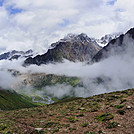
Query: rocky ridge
72, 47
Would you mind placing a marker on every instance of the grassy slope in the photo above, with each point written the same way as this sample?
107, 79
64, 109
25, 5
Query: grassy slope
50, 79
10, 100
111, 113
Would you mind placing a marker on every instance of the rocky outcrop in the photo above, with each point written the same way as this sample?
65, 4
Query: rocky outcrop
73, 48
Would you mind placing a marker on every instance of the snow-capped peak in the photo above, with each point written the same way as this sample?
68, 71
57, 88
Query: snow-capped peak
107, 38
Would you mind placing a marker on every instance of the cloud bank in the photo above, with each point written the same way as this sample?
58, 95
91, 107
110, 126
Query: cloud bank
111, 74
35, 24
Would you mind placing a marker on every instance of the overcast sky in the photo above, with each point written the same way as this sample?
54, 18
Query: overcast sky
35, 24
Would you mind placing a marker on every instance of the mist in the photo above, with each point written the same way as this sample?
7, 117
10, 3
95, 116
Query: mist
111, 74
6, 80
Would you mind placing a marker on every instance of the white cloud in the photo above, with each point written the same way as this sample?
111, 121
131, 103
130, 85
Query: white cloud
114, 73
42, 22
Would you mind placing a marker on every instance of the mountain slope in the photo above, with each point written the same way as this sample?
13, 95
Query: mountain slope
49, 86
42, 80
110, 113
117, 46
73, 48
11, 100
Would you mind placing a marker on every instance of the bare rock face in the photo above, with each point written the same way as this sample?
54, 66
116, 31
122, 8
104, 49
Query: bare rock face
116, 46
72, 47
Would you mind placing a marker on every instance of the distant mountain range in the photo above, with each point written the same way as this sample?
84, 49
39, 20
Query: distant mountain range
72, 47
16, 54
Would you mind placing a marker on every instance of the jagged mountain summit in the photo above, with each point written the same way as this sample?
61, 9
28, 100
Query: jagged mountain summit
16, 54
107, 38
121, 45
72, 47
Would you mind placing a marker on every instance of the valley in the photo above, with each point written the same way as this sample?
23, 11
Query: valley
75, 87
66, 67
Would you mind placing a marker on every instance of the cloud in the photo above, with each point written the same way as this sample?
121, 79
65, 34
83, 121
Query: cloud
6, 80
32, 24
111, 74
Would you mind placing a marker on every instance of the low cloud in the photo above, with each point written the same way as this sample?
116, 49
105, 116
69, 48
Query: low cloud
111, 74
6, 80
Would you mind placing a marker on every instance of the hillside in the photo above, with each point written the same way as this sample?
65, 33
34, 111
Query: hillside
50, 87
39, 80
10, 100
110, 113
73, 48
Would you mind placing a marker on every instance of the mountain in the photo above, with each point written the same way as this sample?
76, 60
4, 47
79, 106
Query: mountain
72, 47
107, 38
117, 46
16, 54
10, 100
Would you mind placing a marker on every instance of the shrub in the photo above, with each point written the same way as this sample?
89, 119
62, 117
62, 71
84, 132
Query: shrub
84, 124
112, 124
118, 106
122, 101
50, 124
72, 119
80, 115
121, 112
104, 117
